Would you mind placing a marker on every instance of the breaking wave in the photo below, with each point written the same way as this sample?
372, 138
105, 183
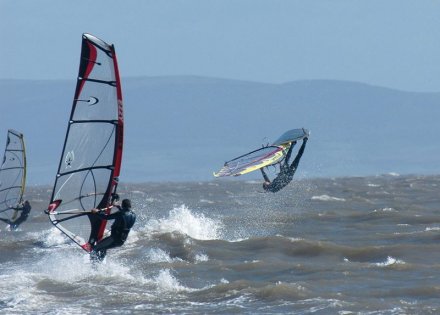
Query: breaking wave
183, 220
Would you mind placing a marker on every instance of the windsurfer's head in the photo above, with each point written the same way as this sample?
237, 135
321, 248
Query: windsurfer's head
126, 204
266, 185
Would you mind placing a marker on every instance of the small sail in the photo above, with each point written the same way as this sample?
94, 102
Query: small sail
12, 174
91, 158
262, 157
253, 161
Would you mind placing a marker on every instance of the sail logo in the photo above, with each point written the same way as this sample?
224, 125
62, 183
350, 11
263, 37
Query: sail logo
91, 101
70, 156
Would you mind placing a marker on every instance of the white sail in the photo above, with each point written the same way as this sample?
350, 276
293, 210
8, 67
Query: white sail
12, 173
91, 159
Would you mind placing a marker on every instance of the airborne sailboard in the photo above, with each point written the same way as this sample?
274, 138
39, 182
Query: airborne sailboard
90, 162
265, 156
12, 175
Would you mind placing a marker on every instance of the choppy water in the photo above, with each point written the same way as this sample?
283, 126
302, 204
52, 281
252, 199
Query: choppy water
326, 246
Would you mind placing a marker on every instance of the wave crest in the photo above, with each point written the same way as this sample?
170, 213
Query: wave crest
182, 220
327, 198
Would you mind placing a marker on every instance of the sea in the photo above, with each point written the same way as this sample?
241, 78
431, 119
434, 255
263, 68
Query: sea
349, 245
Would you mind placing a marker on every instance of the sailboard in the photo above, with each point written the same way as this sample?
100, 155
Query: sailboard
12, 174
91, 158
292, 135
253, 161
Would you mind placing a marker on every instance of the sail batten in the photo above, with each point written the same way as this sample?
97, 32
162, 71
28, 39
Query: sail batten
92, 153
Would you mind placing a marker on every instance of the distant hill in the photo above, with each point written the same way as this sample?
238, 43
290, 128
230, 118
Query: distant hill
182, 128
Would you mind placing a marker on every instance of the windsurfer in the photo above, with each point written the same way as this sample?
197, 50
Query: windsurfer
287, 171
124, 221
14, 222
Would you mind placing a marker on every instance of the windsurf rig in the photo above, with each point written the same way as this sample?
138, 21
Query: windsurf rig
90, 162
262, 157
12, 175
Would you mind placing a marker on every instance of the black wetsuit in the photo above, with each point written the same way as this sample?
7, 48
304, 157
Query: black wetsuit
287, 171
25, 210
124, 221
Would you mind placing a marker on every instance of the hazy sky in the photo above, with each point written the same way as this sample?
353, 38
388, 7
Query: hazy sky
392, 43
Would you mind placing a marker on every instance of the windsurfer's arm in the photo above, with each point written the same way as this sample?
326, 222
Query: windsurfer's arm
14, 216
101, 213
299, 155
289, 152
19, 207
264, 175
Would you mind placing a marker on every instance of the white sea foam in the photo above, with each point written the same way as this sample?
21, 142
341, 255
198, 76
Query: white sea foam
327, 198
390, 261
21, 287
181, 219
206, 201
434, 228
157, 255
133, 237
255, 261
373, 185
167, 282
388, 209
201, 257
295, 239
50, 238
69, 266
15, 296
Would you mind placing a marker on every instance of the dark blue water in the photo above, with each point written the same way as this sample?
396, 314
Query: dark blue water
367, 245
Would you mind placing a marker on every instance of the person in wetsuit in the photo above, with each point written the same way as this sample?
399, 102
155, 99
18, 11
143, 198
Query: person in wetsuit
14, 222
124, 221
287, 171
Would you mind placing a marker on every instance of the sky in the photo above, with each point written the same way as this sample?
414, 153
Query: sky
391, 43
